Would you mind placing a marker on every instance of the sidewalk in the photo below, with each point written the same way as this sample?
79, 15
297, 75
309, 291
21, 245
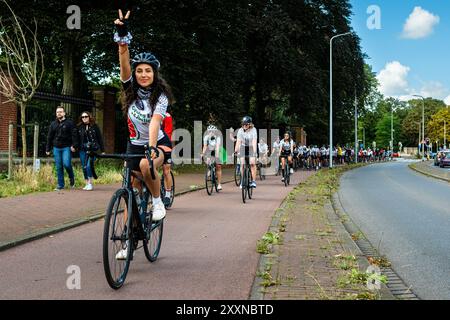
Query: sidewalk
28, 217
429, 169
315, 258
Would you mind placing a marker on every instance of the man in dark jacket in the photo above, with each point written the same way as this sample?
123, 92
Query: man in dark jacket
61, 139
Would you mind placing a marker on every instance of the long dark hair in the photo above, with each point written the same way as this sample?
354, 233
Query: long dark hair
158, 87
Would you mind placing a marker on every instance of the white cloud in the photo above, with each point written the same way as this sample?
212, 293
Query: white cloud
419, 24
447, 100
393, 79
434, 89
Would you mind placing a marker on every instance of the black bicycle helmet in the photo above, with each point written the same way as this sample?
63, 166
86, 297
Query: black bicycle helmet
145, 57
247, 120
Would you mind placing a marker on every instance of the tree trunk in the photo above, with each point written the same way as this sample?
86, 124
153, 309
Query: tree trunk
71, 64
24, 133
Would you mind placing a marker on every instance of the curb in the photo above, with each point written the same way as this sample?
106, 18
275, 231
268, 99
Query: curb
255, 291
72, 224
396, 288
413, 167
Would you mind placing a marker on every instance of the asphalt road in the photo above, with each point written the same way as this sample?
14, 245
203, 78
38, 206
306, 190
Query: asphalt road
208, 252
407, 215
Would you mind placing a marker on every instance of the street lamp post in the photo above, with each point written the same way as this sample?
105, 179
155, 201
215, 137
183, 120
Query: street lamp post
331, 94
392, 131
445, 132
356, 130
423, 123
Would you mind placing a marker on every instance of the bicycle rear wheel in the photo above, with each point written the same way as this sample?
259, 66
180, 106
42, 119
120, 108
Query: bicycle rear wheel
117, 235
152, 244
209, 183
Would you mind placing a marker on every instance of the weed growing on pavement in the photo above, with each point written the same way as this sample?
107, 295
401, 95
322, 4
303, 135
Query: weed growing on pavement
356, 277
382, 261
357, 236
265, 244
345, 261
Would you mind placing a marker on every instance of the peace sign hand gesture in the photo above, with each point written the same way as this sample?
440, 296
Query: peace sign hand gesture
122, 23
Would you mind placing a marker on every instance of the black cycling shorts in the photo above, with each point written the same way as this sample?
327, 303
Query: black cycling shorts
285, 153
135, 149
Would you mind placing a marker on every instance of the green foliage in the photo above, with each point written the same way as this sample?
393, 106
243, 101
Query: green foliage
223, 58
435, 127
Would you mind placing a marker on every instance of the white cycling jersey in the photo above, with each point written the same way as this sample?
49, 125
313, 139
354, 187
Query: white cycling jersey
139, 116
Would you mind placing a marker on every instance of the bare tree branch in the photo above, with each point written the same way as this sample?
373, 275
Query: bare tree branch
24, 62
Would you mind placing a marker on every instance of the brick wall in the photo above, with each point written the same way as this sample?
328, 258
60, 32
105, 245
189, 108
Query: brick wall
8, 112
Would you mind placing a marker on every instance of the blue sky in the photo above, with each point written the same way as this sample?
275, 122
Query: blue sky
410, 52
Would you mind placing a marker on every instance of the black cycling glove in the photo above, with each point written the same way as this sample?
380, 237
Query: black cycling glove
122, 29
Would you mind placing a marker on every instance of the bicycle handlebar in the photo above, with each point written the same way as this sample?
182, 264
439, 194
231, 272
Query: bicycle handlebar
122, 156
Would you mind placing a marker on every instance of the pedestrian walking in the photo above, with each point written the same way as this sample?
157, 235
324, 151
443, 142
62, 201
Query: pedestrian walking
61, 138
89, 138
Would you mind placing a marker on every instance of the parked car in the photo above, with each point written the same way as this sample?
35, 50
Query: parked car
437, 158
444, 161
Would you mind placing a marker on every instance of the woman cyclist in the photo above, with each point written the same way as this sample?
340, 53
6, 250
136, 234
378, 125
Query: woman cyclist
246, 145
212, 142
286, 151
145, 97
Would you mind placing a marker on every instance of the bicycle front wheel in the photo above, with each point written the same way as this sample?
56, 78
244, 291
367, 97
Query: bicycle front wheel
244, 183
209, 182
249, 180
152, 244
117, 237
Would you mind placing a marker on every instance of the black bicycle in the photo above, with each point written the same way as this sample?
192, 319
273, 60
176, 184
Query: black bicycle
172, 190
211, 181
128, 220
287, 174
246, 179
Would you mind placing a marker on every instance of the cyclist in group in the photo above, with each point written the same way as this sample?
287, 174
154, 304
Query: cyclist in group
213, 142
167, 127
263, 150
286, 152
246, 145
315, 156
145, 97
275, 154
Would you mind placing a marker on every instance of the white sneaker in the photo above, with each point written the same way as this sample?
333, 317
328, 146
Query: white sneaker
291, 171
88, 187
85, 186
159, 211
122, 254
219, 187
